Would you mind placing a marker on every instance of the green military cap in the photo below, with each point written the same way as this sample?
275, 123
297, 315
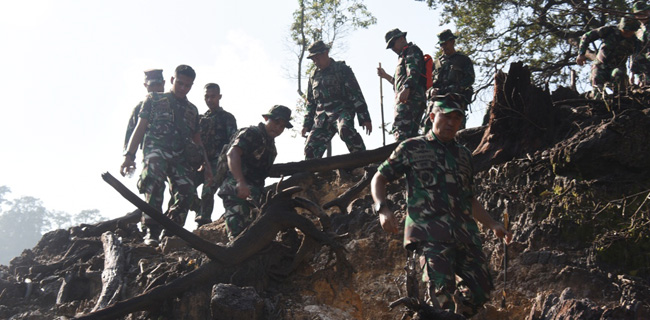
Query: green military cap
153, 76
280, 112
629, 23
449, 105
445, 36
392, 35
640, 6
316, 48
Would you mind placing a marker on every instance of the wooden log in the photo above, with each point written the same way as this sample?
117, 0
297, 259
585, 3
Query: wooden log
344, 199
113, 273
345, 161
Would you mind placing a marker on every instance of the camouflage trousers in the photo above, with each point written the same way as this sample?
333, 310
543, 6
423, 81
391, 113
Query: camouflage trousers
324, 129
441, 262
240, 213
407, 119
158, 167
206, 203
602, 74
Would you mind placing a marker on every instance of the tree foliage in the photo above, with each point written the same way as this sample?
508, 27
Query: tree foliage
326, 20
24, 220
541, 33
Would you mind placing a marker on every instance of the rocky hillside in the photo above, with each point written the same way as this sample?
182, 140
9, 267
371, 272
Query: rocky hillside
572, 174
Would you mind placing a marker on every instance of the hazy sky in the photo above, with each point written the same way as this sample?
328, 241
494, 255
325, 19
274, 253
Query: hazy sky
73, 71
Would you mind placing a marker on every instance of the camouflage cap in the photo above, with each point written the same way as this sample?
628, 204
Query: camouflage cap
629, 23
640, 6
280, 112
153, 76
392, 35
316, 48
445, 36
450, 105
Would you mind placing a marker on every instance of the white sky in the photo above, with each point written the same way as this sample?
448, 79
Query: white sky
73, 71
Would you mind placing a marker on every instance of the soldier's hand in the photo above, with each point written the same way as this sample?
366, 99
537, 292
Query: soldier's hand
581, 59
304, 132
368, 126
432, 92
501, 232
382, 73
128, 167
243, 191
388, 221
403, 95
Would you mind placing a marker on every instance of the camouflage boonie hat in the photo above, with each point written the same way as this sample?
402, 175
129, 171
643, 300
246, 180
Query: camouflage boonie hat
445, 36
640, 6
628, 23
153, 76
392, 35
317, 48
280, 112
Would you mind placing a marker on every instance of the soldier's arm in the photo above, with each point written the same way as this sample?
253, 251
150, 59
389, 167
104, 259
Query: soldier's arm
128, 165
235, 167
480, 215
386, 216
310, 108
414, 63
355, 96
207, 170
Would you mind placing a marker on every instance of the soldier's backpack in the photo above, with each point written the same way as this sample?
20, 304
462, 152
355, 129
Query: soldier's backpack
219, 174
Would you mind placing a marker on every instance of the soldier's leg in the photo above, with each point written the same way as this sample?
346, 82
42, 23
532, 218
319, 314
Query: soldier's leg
600, 75
347, 132
472, 267
181, 178
437, 264
204, 215
152, 184
321, 133
407, 120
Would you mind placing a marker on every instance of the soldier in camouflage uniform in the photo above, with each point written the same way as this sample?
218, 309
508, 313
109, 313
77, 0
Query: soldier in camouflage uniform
618, 43
167, 124
641, 62
408, 83
153, 82
453, 73
217, 127
333, 98
250, 158
441, 210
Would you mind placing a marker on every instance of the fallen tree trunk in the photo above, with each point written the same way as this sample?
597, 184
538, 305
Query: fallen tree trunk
344, 199
113, 273
345, 161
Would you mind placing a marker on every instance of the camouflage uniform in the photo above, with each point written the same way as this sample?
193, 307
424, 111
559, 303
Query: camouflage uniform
440, 224
217, 127
172, 123
133, 121
410, 74
609, 65
258, 154
333, 98
641, 62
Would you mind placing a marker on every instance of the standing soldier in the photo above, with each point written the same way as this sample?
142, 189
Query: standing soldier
168, 125
217, 126
409, 84
250, 158
333, 98
153, 82
442, 211
618, 43
453, 73
641, 62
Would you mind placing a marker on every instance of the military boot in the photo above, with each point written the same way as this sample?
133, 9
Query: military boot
152, 235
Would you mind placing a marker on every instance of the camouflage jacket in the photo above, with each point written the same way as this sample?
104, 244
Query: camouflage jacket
641, 62
258, 155
133, 121
216, 129
172, 122
410, 70
614, 50
334, 89
454, 74
439, 197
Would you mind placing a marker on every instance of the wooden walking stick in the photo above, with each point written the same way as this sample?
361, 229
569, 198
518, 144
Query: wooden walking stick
381, 103
505, 261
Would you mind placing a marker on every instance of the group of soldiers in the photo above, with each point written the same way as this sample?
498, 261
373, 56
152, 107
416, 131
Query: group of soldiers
185, 149
630, 38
